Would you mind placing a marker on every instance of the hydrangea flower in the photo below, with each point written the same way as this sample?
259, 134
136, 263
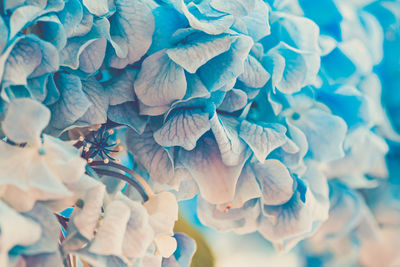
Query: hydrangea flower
270, 111
41, 168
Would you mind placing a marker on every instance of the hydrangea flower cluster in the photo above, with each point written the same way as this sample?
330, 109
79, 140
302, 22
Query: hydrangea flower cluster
276, 114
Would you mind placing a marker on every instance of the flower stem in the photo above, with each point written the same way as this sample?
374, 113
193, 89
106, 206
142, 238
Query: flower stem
134, 174
124, 178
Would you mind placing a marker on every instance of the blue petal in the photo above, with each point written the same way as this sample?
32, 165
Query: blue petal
72, 104
86, 53
98, 7
216, 181
91, 59
275, 180
298, 32
48, 242
152, 111
52, 92
12, 4
345, 212
324, 132
167, 21
291, 68
349, 104
151, 155
50, 29
84, 25
195, 89
132, 29
49, 61
231, 147
262, 139
235, 7
347, 59
30, 57
160, 81
184, 252
223, 70
323, 13
43, 89
22, 61
27, 13
257, 22
183, 128
44, 260
97, 112
3, 34
235, 99
286, 222
38, 86
254, 74
99, 259
120, 88
365, 154
293, 151
71, 16
210, 25
198, 48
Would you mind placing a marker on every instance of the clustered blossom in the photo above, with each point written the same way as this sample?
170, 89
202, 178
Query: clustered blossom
276, 114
